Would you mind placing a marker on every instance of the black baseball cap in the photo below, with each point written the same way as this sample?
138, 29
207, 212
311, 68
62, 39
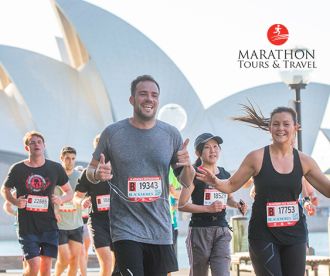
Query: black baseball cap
204, 137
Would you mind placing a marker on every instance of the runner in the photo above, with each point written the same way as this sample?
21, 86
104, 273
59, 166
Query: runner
34, 180
70, 224
208, 240
83, 258
141, 150
175, 190
97, 199
277, 229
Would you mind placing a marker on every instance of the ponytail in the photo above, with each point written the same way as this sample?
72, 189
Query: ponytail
252, 117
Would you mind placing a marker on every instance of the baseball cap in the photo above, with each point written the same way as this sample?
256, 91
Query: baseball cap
204, 137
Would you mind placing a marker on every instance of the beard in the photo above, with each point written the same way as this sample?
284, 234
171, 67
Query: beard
143, 116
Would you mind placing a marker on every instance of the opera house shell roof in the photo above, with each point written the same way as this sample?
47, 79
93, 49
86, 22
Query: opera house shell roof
72, 100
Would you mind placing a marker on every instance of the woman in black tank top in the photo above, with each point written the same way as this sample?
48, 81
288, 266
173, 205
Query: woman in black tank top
277, 229
208, 239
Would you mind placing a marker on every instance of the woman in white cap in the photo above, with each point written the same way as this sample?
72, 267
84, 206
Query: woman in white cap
208, 240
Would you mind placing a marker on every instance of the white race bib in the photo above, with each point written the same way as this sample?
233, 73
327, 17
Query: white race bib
282, 214
144, 189
212, 195
68, 207
36, 203
103, 202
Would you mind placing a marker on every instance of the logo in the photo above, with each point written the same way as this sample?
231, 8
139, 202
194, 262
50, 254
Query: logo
36, 183
278, 34
277, 58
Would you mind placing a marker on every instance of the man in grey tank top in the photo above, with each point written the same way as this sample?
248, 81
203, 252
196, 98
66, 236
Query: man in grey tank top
136, 154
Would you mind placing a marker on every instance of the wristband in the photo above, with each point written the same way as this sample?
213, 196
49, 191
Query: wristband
90, 174
306, 199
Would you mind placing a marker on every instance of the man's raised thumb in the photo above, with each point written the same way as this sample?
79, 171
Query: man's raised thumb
102, 159
185, 144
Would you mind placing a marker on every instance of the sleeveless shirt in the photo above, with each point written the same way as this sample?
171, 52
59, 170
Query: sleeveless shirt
271, 186
197, 197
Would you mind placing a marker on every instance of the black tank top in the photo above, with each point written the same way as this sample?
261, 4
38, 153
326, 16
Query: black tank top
197, 197
271, 186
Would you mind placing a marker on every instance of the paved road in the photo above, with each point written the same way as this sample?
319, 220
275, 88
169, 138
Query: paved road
182, 272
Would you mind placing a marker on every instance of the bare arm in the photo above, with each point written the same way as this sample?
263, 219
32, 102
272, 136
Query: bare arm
20, 202
186, 206
309, 191
184, 197
98, 170
187, 174
9, 208
237, 180
80, 199
231, 202
65, 197
315, 176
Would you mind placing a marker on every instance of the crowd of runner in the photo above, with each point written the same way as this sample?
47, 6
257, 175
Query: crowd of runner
124, 203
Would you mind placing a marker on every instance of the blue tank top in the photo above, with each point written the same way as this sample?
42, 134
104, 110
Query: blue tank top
271, 186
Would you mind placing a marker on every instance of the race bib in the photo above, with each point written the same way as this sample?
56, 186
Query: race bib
144, 189
103, 202
212, 195
37, 203
282, 214
68, 207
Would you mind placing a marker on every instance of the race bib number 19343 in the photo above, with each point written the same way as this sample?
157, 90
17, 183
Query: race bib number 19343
144, 189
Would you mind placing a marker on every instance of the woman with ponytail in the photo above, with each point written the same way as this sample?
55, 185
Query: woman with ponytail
277, 228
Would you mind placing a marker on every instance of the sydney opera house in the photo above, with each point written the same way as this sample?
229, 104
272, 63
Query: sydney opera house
72, 100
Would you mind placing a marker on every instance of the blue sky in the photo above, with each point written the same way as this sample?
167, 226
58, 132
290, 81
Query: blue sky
202, 38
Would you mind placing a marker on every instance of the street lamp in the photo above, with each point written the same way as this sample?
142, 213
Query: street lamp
296, 80
173, 114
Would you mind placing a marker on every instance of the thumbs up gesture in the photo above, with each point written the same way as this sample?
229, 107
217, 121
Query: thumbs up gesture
183, 155
103, 170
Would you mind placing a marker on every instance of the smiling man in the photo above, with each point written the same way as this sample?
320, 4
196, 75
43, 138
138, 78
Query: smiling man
136, 154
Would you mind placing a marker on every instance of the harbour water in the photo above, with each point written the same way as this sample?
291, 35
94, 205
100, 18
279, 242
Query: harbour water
318, 240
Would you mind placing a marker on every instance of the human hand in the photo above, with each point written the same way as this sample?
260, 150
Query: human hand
216, 207
56, 200
242, 207
310, 208
103, 170
86, 202
206, 176
314, 200
183, 155
20, 202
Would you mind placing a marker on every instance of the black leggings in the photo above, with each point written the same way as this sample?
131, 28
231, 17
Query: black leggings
270, 259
